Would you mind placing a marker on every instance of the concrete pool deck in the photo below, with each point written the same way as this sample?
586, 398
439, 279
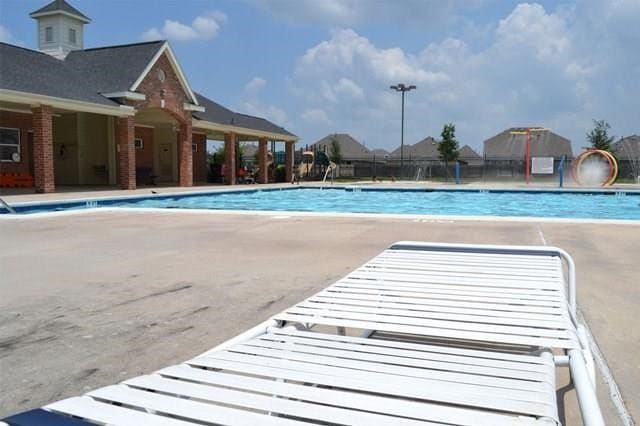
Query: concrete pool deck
90, 299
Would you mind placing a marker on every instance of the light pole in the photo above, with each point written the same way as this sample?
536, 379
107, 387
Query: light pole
402, 88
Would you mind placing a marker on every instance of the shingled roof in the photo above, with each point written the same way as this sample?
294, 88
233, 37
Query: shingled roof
627, 148
84, 74
216, 113
60, 6
113, 68
509, 146
427, 148
350, 148
60, 80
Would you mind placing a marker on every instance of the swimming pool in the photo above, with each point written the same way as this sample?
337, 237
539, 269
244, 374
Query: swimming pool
515, 203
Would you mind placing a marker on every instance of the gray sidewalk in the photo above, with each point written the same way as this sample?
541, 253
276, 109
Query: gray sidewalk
90, 299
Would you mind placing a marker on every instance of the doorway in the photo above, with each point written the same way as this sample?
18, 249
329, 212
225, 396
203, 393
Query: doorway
165, 160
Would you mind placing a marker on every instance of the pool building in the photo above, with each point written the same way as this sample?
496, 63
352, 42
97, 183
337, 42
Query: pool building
115, 115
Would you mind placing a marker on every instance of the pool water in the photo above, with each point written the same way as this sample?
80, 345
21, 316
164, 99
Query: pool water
428, 202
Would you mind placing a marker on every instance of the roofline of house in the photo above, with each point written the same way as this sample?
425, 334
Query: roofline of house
35, 15
33, 99
208, 125
176, 67
133, 96
193, 107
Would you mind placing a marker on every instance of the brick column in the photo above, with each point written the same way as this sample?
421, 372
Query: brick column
288, 160
230, 158
263, 159
126, 152
186, 153
44, 176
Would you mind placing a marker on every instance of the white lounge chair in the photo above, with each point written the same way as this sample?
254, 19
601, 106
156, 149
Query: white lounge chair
447, 334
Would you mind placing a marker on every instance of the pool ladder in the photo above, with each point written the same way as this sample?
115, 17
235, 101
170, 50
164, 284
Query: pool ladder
330, 168
7, 206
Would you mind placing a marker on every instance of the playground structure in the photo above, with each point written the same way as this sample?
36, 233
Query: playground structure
305, 168
595, 166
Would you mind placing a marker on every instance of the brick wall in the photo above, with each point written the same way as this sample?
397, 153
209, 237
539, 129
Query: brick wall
23, 123
200, 158
126, 153
44, 178
169, 95
170, 90
185, 154
144, 156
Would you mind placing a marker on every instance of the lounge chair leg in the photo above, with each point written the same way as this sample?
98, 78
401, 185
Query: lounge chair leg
589, 406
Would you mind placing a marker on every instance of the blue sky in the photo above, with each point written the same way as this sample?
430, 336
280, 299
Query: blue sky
325, 66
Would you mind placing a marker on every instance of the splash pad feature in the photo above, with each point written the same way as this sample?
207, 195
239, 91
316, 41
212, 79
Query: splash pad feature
527, 148
595, 167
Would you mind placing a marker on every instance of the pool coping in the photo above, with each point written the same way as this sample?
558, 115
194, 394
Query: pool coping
280, 214
364, 188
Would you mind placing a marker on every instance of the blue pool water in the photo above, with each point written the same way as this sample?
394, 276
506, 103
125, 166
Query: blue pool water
591, 205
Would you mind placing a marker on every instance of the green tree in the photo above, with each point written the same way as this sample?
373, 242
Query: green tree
335, 151
218, 156
448, 146
599, 137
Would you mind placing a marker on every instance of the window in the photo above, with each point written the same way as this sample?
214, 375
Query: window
137, 142
194, 147
72, 36
161, 75
9, 143
48, 34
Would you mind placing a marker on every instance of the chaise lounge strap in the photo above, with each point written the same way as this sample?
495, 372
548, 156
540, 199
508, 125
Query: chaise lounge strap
513, 298
288, 377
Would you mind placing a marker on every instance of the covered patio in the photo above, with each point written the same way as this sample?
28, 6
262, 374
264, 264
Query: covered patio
133, 123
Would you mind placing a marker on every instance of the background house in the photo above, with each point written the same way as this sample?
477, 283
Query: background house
504, 153
627, 152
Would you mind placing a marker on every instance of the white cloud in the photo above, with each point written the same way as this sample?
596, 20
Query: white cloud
347, 49
6, 36
270, 112
353, 13
315, 116
342, 90
252, 104
530, 28
203, 27
558, 68
254, 85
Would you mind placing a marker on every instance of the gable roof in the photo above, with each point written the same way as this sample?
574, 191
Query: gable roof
627, 148
166, 49
467, 152
426, 148
56, 78
60, 6
86, 75
349, 147
509, 146
379, 152
113, 68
